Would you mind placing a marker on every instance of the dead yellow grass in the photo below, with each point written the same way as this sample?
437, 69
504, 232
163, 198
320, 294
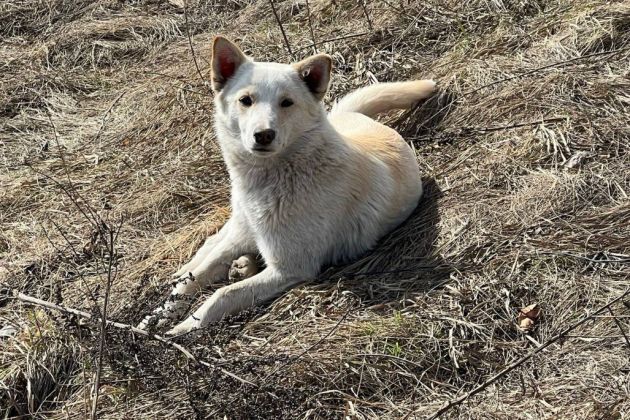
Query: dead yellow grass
525, 154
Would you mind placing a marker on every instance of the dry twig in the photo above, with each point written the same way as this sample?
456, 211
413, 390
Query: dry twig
284, 35
548, 66
190, 44
111, 236
310, 26
367, 15
623, 332
107, 322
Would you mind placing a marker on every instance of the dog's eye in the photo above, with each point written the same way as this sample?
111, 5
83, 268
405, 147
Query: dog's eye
246, 100
286, 103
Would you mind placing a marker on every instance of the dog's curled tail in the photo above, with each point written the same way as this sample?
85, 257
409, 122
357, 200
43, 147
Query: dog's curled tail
382, 97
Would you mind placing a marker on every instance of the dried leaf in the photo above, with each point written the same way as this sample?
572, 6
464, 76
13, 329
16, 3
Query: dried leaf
525, 324
531, 311
527, 317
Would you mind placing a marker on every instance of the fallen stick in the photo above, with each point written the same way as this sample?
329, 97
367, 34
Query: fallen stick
525, 358
183, 350
548, 66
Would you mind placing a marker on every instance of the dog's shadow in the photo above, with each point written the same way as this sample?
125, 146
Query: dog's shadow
404, 262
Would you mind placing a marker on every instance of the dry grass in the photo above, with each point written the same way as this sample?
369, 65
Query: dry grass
529, 88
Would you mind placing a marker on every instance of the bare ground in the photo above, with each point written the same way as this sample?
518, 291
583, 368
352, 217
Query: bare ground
105, 117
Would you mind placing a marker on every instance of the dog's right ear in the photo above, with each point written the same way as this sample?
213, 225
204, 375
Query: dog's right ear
226, 59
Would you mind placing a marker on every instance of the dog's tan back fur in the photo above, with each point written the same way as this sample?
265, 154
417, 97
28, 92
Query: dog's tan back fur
351, 117
373, 140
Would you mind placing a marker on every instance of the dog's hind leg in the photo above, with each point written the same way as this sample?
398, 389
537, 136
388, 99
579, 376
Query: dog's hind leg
243, 268
234, 298
236, 241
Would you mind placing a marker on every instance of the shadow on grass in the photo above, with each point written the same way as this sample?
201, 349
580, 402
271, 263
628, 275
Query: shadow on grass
404, 261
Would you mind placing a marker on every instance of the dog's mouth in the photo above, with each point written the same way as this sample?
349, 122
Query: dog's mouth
262, 150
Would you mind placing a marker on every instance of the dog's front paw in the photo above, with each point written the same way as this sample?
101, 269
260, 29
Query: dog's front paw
167, 313
153, 321
190, 324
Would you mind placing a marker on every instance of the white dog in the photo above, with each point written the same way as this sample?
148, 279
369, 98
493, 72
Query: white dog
308, 188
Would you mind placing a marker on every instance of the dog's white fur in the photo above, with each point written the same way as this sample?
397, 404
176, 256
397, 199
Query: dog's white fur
328, 188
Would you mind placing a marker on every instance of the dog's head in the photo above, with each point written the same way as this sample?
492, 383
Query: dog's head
267, 107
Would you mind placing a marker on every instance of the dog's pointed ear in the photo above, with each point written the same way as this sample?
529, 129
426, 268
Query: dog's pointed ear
315, 72
226, 59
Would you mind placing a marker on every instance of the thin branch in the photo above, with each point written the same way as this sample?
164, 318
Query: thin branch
26, 298
180, 348
284, 35
295, 359
68, 193
622, 260
184, 88
74, 253
525, 358
192, 50
401, 11
559, 63
56, 137
367, 15
92, 218
352, 275
390, 356
102, 229
515, 125
310, 26
103, 327
100, 130
623, 332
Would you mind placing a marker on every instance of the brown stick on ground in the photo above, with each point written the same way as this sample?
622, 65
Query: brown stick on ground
183, 350
310, 27
525, 358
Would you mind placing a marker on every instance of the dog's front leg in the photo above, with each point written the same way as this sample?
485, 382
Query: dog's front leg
211, 242
233, 242
234, 298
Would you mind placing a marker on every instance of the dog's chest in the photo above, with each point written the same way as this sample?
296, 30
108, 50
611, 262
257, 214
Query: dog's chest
272, 200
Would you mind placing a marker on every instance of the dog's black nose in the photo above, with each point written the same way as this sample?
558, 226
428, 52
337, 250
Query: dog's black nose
265, 137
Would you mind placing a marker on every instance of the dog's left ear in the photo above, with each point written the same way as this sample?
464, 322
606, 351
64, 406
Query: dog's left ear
315, 71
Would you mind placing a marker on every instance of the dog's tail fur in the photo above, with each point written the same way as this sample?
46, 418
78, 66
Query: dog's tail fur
382, 97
